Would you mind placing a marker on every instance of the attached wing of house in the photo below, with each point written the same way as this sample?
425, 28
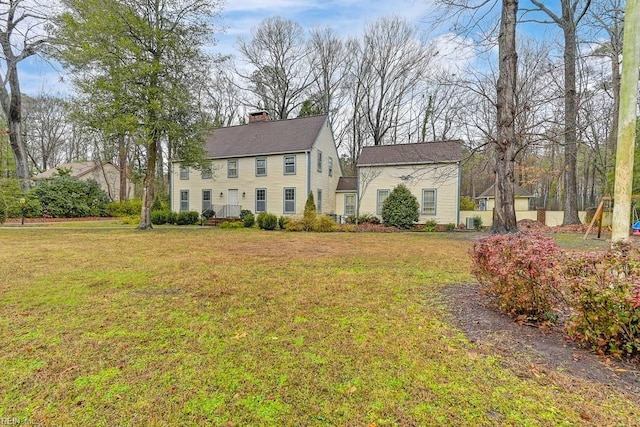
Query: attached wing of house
105, 174
430, 170
262, 166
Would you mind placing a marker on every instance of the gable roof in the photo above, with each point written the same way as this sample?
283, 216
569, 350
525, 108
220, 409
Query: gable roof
411, 154
265, 137
78, 169
490, 192
347, 183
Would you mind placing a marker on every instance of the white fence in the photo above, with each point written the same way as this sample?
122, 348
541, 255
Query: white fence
552, 218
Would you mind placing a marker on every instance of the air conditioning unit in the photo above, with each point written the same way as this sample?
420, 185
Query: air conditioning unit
470, 225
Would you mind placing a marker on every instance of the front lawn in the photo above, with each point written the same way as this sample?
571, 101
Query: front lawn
200, 326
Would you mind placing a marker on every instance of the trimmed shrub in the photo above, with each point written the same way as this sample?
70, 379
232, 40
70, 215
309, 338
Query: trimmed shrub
310, 207
430, 225
124, 208
160, 217
231, 225
324, 224
282, 222
520, 273
363, 219
245, 212
295, 224
267, 221
130, 220
604, 289
450, 226
249, 220
208, 214
477, 222
401, 208
187, 218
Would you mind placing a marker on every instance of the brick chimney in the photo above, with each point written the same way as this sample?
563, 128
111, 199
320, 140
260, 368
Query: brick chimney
258, 116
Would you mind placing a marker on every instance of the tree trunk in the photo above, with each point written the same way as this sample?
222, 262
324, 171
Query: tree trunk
12, 106
504, 214
627, 126
149, 187
122, 168
570, 117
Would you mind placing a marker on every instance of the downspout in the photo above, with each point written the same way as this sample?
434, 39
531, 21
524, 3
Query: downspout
308, 175
458, 195
170, 179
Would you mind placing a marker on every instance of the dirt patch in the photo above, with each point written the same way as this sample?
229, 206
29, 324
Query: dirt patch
544, 349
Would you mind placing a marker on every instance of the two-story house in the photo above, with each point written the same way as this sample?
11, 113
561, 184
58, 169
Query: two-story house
262, 166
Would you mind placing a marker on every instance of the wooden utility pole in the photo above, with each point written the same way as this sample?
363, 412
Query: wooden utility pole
627, 124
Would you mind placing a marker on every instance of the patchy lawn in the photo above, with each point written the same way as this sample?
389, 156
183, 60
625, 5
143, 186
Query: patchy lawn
193, 326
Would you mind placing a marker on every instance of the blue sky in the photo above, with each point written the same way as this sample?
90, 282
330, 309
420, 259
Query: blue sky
347, 17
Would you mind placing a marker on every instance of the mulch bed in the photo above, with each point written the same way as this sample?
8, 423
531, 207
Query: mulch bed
544, 349
41, 220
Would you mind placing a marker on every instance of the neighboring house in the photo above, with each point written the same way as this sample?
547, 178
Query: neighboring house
105, 174
430, 170
262, 166
523, 199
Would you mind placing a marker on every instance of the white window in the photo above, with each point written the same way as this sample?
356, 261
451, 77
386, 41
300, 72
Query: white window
206, 199
349, 204
319, 161
382, 196
319, 201
289, 165
261, 166
232, 168
289, 200
261, 200
429, 201
184, 200
184, 172
330, 166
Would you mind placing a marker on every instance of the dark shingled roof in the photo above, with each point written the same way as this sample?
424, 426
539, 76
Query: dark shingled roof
347, 183
491, 192
408, 154
264, 137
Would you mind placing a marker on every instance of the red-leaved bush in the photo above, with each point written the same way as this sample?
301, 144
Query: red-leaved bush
520, 273
604, 300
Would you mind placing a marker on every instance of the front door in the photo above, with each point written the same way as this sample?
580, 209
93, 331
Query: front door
232, 202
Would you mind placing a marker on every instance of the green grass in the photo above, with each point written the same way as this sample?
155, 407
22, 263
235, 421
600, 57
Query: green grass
198, 326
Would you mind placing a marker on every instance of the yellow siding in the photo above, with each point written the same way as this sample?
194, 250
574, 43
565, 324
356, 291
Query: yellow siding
321, 179
108, 178
340, 203
306, 179
246, 183
442, 178
521, 204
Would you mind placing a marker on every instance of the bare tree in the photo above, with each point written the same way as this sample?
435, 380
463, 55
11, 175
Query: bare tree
279, 74
606, 18
45, 129
327, 59
21, 36
572, 12
392, 62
